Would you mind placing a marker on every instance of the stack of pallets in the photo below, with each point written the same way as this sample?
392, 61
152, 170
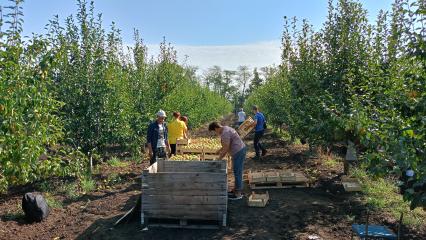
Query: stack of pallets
266, 179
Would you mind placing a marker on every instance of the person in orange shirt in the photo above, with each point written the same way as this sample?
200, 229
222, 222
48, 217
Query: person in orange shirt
177, 130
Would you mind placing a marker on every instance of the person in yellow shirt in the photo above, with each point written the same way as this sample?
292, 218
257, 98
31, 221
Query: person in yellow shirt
177, 130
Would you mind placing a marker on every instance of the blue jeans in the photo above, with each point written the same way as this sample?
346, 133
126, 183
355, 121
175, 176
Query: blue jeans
238, 164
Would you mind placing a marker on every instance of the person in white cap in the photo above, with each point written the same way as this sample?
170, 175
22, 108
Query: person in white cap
157, 138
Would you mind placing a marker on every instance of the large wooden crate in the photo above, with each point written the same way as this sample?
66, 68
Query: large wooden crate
185, 194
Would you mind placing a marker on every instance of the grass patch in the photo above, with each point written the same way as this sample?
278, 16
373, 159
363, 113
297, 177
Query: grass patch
44, 186
71, 190
52, 202
113, 179
331, 162
283, 135
384, 195
87, 184
115, 162
13, 214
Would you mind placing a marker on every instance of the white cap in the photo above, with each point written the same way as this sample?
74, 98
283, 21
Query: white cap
161, 113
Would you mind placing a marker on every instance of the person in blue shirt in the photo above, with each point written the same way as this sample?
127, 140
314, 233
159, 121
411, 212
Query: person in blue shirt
259, 123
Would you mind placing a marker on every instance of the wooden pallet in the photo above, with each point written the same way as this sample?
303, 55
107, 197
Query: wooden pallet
276, 179
277, 185
183, 223
258, 200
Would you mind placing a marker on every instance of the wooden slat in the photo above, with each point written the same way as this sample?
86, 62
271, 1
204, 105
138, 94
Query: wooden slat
183, 141
183, 214
194, 166
170, 177
191, 150
190, 226
177, 200
185, 207
257, 177
272, 177
277, 185
185, 192
210, 150
184, 185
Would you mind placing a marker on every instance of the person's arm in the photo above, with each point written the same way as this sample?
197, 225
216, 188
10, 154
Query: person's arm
226, 142
185, 131
223, 151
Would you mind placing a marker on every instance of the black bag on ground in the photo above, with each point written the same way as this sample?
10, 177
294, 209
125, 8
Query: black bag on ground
35, 207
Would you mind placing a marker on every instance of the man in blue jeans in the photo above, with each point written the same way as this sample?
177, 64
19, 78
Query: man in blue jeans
234, 145
260, 123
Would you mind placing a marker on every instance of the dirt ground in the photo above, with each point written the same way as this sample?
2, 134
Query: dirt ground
323, 210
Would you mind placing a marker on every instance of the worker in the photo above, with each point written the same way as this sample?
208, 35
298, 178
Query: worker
177, 130
157, 138
234, 145
241, 117
260, 126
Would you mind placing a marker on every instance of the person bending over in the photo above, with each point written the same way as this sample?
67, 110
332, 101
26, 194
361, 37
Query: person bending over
234, 145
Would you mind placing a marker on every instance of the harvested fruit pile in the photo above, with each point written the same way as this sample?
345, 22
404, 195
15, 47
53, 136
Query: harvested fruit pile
185, 157
198, 146
203, 143
207, 143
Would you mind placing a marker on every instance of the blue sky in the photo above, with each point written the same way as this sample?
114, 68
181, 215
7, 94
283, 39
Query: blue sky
222, 32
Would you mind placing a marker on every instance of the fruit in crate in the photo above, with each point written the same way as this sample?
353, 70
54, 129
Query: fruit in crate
191, 157
207, 143
193, 146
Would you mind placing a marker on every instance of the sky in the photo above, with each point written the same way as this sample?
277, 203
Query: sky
227, 33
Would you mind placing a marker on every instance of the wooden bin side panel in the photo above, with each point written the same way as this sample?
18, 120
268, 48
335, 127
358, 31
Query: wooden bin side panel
184, 195
194, 166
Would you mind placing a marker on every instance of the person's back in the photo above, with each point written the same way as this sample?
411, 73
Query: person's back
241, 116
176, 130
229, 135
260, 121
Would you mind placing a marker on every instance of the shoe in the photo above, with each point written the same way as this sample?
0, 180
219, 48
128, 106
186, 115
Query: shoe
235, 197
257, 157
264, 152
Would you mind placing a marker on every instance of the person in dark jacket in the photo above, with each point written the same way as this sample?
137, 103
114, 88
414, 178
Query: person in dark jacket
157, 138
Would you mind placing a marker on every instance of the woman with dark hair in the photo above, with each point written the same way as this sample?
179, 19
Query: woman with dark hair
184, 119
234, 145
177, 130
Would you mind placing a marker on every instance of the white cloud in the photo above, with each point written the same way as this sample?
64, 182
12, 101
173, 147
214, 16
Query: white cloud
227, 56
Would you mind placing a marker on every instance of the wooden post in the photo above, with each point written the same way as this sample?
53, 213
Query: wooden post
350, 157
